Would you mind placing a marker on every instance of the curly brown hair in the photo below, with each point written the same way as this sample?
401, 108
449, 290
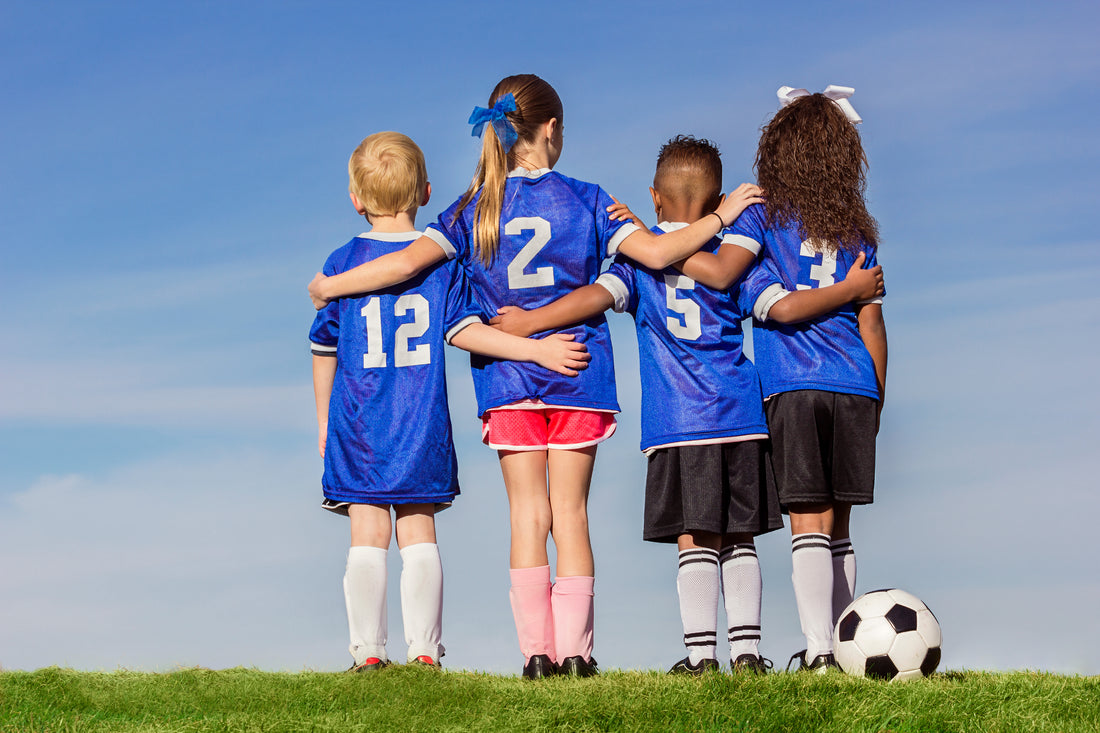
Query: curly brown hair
811, 165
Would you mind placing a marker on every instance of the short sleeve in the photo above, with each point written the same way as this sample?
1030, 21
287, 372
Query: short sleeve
620, 280
460, 308
610, 233
325, 331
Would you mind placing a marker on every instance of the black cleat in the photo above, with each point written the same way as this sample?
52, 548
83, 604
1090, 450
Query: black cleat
539, 666
821, 664
684, 666
578, 667
370, 664
750, 664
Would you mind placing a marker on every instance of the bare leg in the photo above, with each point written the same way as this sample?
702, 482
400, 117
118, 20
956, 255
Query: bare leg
529, 506
570, 479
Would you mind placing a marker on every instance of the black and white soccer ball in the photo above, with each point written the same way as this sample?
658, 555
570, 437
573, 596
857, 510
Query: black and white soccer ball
888, 634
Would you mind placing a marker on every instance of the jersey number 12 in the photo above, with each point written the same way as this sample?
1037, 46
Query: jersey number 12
402, 356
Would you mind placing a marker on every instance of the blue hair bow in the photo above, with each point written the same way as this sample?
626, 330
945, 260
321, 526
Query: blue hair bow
498, 118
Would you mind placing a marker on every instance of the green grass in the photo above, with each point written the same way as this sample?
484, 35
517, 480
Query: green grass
418, 699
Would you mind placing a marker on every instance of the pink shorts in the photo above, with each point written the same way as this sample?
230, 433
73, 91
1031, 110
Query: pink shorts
560, 428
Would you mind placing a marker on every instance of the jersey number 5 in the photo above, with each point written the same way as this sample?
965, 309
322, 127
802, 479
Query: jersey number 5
691, 326
542, 276
403, 355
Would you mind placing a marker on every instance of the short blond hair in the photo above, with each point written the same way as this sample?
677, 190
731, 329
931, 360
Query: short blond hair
387, 174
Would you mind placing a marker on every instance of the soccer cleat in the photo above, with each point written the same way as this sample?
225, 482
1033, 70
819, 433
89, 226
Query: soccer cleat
750, 664
578, 666
539, 666
821, 664
370, 664
425, 661
684, 666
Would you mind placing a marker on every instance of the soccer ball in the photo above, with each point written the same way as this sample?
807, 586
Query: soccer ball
889, 634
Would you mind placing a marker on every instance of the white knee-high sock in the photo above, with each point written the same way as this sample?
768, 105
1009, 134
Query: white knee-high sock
813, 590
844, 576
422, 599
742, 587
697, 585
365, 597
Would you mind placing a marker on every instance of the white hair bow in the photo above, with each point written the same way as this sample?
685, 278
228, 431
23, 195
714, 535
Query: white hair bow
838, 94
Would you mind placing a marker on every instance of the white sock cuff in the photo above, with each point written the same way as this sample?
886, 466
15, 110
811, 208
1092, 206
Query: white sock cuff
420, 549
366, 553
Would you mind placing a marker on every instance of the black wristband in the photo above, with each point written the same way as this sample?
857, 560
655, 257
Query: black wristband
721, 224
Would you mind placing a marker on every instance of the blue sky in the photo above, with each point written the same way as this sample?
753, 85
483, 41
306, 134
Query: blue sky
173, 174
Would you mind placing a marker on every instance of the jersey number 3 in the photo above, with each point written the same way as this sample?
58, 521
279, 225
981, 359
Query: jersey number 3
821, 276
402, 355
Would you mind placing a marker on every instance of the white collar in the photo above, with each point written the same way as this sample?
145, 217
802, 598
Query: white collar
671, 226
390, 236
522, 172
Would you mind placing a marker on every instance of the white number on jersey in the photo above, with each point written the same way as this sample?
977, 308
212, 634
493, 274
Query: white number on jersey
691, 327
822, 274
542, 276
403, 355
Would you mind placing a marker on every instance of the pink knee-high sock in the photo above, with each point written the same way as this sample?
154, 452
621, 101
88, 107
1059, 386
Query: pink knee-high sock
530, 595
572, 601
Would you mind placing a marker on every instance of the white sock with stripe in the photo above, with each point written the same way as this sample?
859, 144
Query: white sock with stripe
812, 560
697, 586
742, 586
844, 576
365, 598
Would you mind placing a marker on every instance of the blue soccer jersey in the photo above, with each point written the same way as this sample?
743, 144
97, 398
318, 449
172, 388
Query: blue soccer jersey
554, 237
825, 353
697, 385
389, 430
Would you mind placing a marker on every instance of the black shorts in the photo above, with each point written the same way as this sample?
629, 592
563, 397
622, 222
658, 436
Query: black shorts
823, 446
722, 488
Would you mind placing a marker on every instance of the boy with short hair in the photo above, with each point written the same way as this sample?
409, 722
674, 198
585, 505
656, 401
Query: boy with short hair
708, 487
384, 428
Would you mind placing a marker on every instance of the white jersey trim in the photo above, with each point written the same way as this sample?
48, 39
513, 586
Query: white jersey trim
620, 234
441, 239
322, 349
707, 441
468, 320
740, 240
522, 172
771, 295
391, 236
619, 292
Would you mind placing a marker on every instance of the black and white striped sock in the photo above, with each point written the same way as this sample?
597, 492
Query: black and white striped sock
812, 576
844, 576
697, 586
741, 589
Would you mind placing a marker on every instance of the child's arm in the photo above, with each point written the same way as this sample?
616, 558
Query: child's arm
872, 328
718, 270
557, 352
381, 272
324, 372
575, 307
659, 251
803, 305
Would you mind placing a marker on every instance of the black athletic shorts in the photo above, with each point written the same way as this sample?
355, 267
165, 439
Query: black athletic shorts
823, 446
720, 488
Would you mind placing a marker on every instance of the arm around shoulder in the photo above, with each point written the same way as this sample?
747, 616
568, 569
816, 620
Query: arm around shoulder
382, 272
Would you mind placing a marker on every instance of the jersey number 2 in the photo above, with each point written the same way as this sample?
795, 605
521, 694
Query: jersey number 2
403, 355
542, 276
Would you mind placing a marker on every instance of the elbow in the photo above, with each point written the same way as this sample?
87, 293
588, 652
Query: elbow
781, 312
